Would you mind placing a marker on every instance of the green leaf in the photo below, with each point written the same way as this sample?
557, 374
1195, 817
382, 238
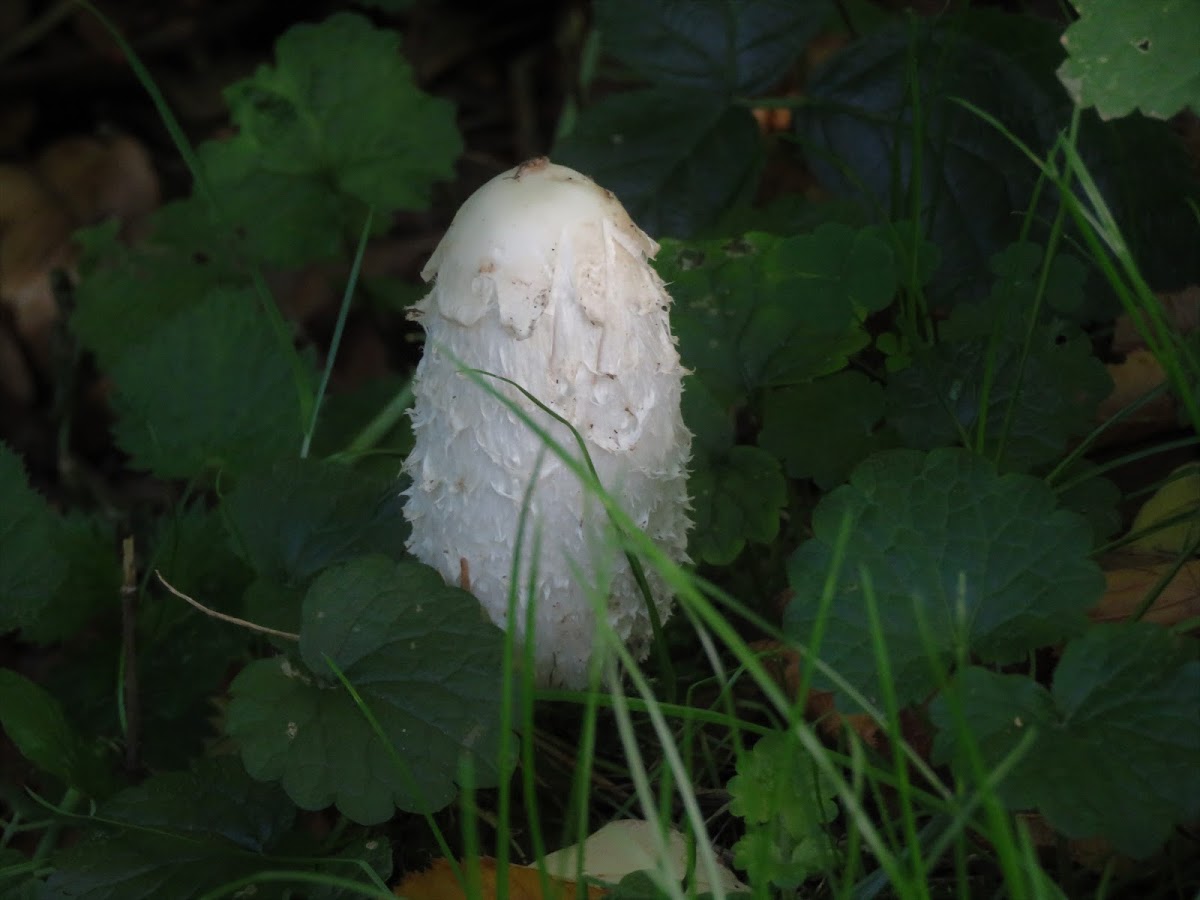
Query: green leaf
127, 293
964, 391
787, 804
32, 565
710, 421
718, 46
246, 813
1117, 736
1133, 56
183, 656
346, 413
823, 429
213, 388
336, 125
374, 852
91, 580
859, 129
1140, 165
765, 311
304, 515
133, 866
676, 159
301, 516
960, 559
189, 833
1096, 499
36, 724
1016, 270
426, 663
736, 497
859, 125
281, 218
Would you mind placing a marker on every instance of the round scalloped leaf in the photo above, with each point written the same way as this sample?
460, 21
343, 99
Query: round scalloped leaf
763, 311
1026, 402
985, 561
1125, 56
676, 159
424, 660
190, 834
823, 429
710, 45
737, 497
302, 515
1117, 739
786, 802
858, 123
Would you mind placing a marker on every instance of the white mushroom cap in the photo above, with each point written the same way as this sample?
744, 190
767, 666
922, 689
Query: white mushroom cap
543, 278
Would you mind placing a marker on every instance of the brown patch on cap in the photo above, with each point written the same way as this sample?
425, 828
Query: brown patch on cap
531, 165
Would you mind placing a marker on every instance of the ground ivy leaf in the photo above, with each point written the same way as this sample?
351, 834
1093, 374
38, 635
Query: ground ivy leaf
190, 832
786, 803
987, 560
31, 564
1095, 498
1051, 388
737, 498
1125, 57
217, 799
424, 660
337, 123
710, 421
823, 429
710, 45
1118, 736
859, 123
676, 159
1016, 271
35, 722
763, 311
144, 867
303, 515
212, 388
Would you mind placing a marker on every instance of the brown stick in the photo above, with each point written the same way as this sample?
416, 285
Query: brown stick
130, 693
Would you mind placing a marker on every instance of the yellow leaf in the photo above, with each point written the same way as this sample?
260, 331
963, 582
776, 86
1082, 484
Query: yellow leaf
1179, 500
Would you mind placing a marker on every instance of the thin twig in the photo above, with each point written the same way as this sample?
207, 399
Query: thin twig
233, 620
129, 674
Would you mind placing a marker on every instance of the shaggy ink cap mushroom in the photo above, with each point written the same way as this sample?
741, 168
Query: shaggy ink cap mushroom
544, 279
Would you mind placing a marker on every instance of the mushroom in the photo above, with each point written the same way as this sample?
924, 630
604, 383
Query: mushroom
544, 279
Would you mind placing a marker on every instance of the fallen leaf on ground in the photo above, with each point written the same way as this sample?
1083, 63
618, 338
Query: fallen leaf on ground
75, 182
1169, 522
784, 665
629, 845
1181, 311
1129, 585
1132, 379
438, 882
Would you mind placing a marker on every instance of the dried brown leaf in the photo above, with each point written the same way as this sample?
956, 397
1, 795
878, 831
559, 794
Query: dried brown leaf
439, 883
